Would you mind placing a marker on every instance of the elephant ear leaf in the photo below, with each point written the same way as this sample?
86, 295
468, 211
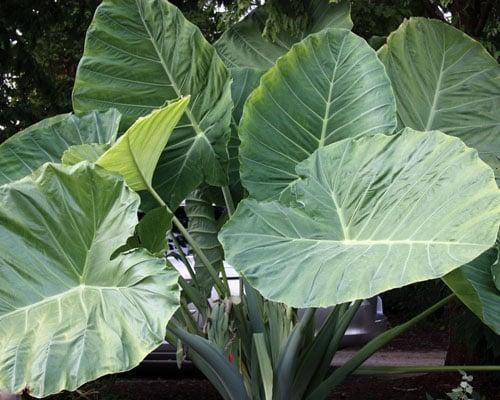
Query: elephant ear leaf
138, 55
474, 285
68, 312
244, 45
447, 81
370, 214
137, 152
47, 140
337, 89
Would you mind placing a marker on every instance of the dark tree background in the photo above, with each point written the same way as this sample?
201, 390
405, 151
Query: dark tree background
41, 41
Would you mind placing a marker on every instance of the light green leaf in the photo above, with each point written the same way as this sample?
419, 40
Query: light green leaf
371, 214
445, 80
83, 152
69, 314
329, 87
474, 286
47, 140
243, 45
137, 152
138, 55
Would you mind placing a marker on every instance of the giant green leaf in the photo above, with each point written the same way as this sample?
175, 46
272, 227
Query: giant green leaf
138, 55
69, 314
137, 152
445, 80
370, 214
474, 286
243, 45
47, 140
329, 87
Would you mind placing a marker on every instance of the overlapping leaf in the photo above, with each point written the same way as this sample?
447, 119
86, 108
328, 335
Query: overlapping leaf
370, 214
151, 232
329, 87
138, 55
474, 285
245, 80
84, 152
47, 140
203, 227
69, 314
136, 154
243, 45
445, 80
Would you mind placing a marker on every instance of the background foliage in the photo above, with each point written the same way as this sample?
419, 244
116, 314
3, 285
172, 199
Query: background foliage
41, 41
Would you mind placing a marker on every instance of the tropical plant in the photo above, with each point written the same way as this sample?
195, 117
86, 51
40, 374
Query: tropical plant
345, 189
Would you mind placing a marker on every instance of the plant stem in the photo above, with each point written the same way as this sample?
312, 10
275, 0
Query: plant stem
410, 369
287, 364
222, 288
228, 199
340, 374
193, 295
185, 261
188, 318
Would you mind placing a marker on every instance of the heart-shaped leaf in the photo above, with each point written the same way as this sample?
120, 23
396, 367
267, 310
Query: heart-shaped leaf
68, 313
137, 152
371, 214
244, 45
445, 80
47, 140
329, 87
138, 55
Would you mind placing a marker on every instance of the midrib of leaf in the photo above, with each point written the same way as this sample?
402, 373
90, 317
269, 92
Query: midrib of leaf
192, 119
141, 174
432, 112
348, 242
59, 296
330, 92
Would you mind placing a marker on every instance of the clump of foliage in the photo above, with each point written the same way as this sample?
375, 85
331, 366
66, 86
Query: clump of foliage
38, 70
344, 173
465, 391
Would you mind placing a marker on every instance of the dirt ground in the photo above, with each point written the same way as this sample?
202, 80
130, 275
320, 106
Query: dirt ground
165, 382
355, 388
